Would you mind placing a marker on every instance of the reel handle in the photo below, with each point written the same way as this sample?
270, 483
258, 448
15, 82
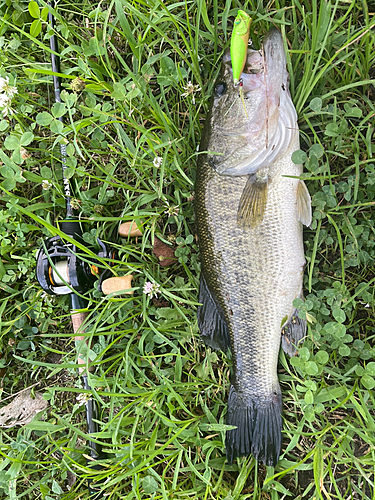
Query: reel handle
122, 283
118, 284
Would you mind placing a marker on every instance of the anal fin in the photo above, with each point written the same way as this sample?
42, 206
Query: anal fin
211, 321
253, 202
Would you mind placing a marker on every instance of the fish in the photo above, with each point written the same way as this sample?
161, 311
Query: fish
250, 208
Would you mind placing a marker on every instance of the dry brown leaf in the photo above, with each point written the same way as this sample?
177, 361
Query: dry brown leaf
164, 253
22, 409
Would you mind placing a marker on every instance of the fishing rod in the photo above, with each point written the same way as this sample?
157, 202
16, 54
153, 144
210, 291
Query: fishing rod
60, 271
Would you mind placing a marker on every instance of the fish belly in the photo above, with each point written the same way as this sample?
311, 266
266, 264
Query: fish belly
252, 276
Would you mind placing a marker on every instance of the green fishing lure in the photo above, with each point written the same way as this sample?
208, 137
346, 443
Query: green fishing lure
238, 44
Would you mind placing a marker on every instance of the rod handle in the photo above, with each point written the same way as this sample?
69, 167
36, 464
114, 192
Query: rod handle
78, 320
118, 284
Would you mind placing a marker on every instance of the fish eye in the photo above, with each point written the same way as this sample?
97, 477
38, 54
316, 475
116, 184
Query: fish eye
220, 89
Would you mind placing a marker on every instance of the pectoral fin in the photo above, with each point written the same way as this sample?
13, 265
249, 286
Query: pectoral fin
303, 204
252, 203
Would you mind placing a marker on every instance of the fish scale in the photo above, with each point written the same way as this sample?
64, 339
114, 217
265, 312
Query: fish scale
251, 273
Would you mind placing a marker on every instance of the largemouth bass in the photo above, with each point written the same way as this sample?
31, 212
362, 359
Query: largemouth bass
250, 208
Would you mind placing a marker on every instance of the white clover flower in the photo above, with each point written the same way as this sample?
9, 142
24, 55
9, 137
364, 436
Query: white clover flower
83, 398
171, 210
6, 94
7, 89
46, 184
5, 104
4, 82
191, 89
157, 161
151, 289
4, 100
5, 111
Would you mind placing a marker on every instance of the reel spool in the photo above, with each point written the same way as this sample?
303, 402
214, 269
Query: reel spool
58, 266
69, 269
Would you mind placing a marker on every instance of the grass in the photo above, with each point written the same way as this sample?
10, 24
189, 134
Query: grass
162, 394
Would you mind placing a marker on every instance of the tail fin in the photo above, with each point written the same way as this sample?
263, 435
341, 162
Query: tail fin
258, 430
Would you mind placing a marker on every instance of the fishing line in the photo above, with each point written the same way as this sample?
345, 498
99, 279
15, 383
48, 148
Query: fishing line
230, 107
241, 96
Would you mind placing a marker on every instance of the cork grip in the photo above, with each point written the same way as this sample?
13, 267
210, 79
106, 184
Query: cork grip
78, 320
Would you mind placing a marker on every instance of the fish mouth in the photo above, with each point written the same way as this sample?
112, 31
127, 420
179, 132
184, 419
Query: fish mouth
273, 52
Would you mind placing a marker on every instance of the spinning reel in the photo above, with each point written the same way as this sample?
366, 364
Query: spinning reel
60, 270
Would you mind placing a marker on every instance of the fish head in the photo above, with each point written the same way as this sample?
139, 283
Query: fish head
251, 123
